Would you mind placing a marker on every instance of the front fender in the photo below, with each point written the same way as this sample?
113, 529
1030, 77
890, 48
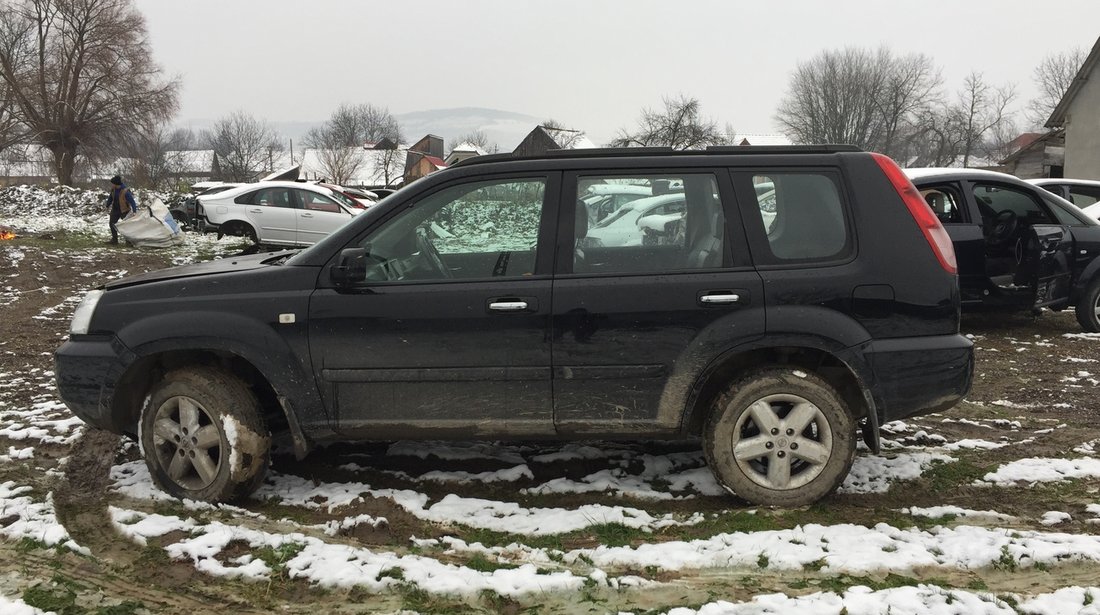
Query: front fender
282, 356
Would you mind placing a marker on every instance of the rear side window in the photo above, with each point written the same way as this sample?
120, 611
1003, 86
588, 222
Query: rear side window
648, 224
802, 214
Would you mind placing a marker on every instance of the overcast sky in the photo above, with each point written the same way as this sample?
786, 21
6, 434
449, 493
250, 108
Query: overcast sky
591, 64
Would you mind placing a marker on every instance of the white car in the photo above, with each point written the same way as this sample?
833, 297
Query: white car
602, 200
1083, 193
278, 213
622, 228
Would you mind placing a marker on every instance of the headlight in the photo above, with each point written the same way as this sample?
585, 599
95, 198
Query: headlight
83, 315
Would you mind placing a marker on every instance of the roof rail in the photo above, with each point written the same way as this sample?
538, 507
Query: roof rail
827, 148
598, 152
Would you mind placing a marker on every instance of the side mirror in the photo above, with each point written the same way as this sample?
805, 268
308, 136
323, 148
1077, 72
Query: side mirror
351, 267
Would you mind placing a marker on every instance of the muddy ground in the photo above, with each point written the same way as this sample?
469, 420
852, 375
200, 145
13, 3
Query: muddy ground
1034, 386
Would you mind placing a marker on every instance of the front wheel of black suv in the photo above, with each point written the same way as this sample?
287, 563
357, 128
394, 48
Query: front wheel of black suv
203, 435
1088, 307
780, 437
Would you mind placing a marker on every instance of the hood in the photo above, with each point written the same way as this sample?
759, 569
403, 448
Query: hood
224, 265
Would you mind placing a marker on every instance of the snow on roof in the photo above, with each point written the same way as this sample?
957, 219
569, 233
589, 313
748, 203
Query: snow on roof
371, 172
467, 147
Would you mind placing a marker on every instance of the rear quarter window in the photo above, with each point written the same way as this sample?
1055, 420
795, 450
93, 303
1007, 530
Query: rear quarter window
800, 216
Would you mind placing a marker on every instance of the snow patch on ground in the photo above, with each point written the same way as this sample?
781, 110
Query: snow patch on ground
935, 512
1054, 517
334, 565
917, 600
23, 517
875, 474
15, 606
1042, 470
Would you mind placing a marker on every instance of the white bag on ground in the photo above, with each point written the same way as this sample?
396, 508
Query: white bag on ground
150, 227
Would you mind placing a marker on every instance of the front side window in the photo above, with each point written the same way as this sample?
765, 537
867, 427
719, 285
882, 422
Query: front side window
1083, 196
659, 224
802, 214
481, 230
1005, 205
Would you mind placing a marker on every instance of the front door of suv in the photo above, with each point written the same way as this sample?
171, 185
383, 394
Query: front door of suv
448, 333
636, 322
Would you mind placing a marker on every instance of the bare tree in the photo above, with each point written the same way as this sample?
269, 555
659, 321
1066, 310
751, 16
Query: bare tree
339, 161
157, 156
80, 73
243, 144
868, 98
678, 125
981, 108
1053, 76
388, 166
12, 131
357, 125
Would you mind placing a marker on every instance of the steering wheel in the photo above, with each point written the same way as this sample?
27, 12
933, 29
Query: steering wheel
1004, 225
430, 254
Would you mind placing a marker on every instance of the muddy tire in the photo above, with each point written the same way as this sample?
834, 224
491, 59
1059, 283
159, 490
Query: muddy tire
1088, 307
203, 436
780, 437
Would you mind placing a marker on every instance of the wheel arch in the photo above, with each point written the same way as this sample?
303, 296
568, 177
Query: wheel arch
838, 367
243, 347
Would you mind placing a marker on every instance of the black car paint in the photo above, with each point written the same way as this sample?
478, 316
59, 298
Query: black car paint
594, 356
1062, 256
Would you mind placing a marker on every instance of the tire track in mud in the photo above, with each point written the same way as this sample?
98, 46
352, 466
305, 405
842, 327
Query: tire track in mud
80, 500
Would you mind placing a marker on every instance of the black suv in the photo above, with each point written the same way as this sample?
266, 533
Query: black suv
793, 297
1018, 246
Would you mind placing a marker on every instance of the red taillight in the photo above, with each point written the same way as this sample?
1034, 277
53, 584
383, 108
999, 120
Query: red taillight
927, 221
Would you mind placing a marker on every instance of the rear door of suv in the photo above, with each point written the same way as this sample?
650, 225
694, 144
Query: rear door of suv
635, 324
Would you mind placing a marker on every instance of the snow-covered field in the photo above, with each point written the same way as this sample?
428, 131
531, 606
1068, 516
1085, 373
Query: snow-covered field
992, 507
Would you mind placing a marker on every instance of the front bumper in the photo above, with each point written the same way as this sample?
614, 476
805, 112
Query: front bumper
87, 368
919, 375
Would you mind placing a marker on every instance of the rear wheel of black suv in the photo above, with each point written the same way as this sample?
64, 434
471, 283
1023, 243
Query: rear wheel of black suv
203, 436
1088, 307
780, 437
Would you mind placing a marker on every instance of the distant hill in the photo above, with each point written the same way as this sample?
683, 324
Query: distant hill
505, 128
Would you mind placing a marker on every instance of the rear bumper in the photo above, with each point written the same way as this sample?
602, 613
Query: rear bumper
919, 375
87, 369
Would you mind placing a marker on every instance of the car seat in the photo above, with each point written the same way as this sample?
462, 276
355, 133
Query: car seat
580, 231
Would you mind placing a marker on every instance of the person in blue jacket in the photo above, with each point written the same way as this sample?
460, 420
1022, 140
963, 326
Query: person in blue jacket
121, 201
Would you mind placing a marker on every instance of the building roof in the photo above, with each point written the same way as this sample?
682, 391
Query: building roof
761, 139
1058, 117
568, 139
1038, 141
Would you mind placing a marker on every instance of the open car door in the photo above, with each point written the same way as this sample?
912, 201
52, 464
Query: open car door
1045, 261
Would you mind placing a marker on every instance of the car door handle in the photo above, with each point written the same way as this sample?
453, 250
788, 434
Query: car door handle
508, 306
256, 211
307, 215
720, 299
